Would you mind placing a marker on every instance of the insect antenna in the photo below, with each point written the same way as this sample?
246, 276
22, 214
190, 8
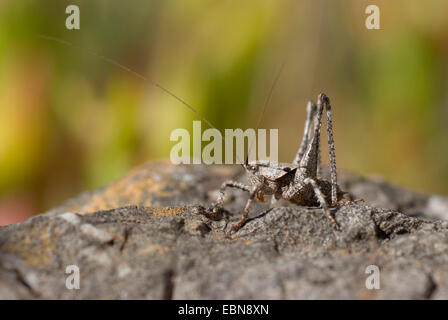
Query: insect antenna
138, 75
266, 102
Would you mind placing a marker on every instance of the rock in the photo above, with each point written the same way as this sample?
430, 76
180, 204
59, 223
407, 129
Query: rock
144, 237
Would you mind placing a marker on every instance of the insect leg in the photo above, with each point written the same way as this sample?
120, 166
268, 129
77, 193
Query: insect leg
310, 112
333, 172
317, 125
320, 197
308, 163
274, 200
253, 193
228, 184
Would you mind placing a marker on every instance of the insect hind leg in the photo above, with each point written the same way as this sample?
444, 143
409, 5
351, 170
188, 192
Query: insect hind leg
310, 114
321, 198
333, 172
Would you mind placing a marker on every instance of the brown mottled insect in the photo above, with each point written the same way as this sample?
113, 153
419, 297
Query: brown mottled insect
299, 181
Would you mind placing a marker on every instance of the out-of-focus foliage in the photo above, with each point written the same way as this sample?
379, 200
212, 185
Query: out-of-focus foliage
71, 122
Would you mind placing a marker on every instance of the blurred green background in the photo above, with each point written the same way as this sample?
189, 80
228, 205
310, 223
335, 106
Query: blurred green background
71, 122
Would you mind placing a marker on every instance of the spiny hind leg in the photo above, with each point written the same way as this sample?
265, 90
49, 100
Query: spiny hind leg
321, 198
323, 99
310, 114
318, 156
296, 191
307, 167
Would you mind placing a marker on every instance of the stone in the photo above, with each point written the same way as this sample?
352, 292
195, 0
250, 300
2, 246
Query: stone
144, 237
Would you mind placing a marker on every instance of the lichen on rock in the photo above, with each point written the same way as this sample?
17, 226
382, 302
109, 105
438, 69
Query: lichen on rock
144, 237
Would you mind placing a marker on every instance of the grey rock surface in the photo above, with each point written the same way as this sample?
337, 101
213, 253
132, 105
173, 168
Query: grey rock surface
144, 237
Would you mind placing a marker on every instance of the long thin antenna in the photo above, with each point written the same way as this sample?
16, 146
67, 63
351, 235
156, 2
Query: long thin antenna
135, 73
268, 98
266, 102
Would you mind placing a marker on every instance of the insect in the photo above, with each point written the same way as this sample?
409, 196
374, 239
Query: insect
299, 181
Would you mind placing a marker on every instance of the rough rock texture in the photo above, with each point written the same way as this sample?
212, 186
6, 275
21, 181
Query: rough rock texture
144, 237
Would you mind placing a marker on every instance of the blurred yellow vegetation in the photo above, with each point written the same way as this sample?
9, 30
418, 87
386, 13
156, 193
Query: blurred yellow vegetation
71, 122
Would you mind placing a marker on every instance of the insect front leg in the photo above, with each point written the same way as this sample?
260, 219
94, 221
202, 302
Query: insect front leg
274, 199
228, 184
253, 193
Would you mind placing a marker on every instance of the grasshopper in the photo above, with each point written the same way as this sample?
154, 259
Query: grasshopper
298, 182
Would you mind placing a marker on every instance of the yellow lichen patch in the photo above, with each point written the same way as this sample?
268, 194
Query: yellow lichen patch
143, 186
133, 189
154, 249
34, 250
167, 211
